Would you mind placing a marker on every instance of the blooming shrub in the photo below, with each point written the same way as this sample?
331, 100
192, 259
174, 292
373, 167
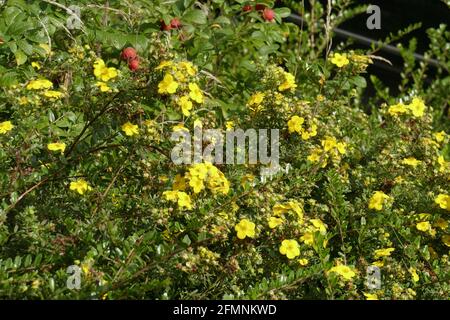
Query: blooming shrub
87, 179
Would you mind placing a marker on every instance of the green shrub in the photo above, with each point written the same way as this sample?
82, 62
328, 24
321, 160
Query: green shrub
87, 178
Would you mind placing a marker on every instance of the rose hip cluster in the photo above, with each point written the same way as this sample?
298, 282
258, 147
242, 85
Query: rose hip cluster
175, 23
267, 13
130, 55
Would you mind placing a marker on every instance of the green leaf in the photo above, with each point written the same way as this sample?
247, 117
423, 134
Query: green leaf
195, 16
21, 57
359, 81
186, 240
283, 12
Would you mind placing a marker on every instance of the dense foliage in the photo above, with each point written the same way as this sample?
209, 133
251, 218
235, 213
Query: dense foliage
87, 179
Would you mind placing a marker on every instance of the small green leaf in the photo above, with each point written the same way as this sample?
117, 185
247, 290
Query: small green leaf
21, 57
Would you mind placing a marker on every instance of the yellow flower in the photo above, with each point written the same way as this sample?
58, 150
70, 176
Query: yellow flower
103, 86
341, 147
39, 84
311, 133
184, 200
245, 228
185, 104
440, 136
397, 109
256, 99
378, 264
377, 200
371, 296
130, 129
303, 262
199, 170
289, 82
361, 60
344, 271
442, 164
441, 223
80, 186
329, 143
196, 184
56, 146
167, 85
195, 93
340, 60
296, 207
248, 178
36, 65
423, 226
383, 252
179, 127
415, 276
316, 156
102, 72
319, 225
274, 222
53, 94
5, 126
189, 67
179, 183
229, 125
290, 248
308, 238
198, 123
171, 195
413, 162
417, 107
279, 209
446, 240
164, 64
295, 124
443, 201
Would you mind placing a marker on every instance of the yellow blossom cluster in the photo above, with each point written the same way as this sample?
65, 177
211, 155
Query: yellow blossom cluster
179, 80
314, 225
205, 174
280, 209
43, 85
340, 60
104, 74
345, 272
245, 228
274, 77
377, 200
6, 126
295, 124
180, 197
331, 148
417, 108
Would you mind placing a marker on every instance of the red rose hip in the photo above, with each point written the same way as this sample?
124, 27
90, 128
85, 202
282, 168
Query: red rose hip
247, 8
128, 54
260, 7
133, 64
165, 27
175, 23
268, 14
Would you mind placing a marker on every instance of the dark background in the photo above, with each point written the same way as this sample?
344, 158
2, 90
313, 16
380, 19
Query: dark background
396, 15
